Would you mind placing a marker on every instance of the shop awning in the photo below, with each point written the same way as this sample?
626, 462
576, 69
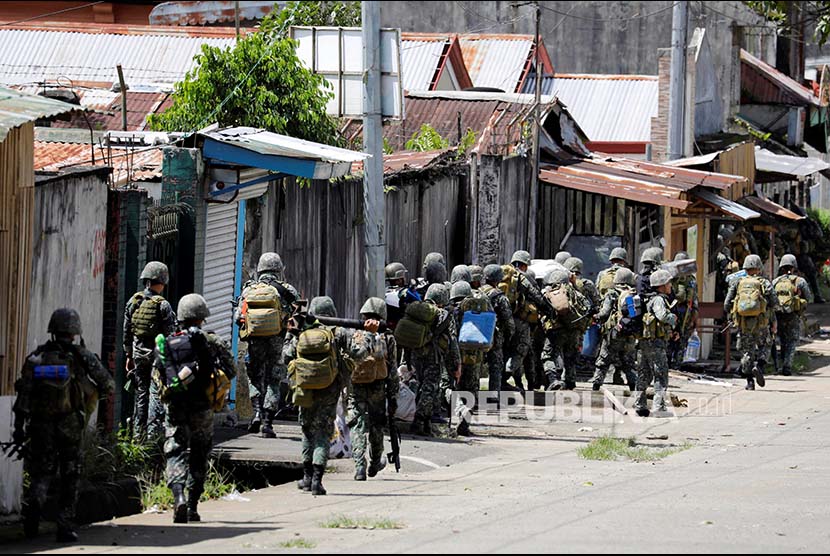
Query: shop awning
773, 209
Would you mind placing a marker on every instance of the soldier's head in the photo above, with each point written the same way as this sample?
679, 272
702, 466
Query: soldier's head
270, 263
788, 264
574, 266
624, 277
437, 294
435, 273
477, 275
460, 272
493, 274
433, 258
753, 265
562, 256
155, 276
395, 274
651, 257
619, 256
557, 277
460, 290
521, 260
65, 325
322, 306
660, 281
374, 308
192, 310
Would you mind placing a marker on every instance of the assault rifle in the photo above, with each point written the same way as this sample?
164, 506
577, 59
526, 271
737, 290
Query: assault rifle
300, 318
395, 439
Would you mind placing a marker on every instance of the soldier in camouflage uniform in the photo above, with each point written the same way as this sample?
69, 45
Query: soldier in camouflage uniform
460, 273
188, 426
793, 293
368, 402
53, 419
560, 352
652, 364
684, 292
618, 348
439, 353
589, 290
266, 370
562, 256
649, 261
505, 327
146, 316
521, 340
753, 332
605, 279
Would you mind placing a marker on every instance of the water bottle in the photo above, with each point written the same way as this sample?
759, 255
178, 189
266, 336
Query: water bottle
634, 305
692, 349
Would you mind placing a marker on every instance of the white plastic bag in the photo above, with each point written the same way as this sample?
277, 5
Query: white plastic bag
406, 404
341, 443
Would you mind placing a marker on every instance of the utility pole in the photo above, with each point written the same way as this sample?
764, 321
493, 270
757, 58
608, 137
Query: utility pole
123, 85
677, 89
537, 110
236, 18
374, 207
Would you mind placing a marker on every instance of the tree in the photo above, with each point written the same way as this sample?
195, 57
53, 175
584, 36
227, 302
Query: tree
260, 82
815, 14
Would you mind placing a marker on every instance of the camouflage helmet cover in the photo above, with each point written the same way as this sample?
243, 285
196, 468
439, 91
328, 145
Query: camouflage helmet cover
374, 306
459, 273
562, 256
788, 260
557, 276
625, 277
460, 290
65, 321
322, 306
192, 307
476, 273
753, 262
395, 271
660, 278
270, 262
522, 257
574, 264
493, 273
652, 255
438, 294
156, 272
618, 253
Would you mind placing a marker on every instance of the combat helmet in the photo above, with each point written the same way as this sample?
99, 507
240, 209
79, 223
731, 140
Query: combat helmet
156, 272
65, 321
192, 307
270, 262
374, 306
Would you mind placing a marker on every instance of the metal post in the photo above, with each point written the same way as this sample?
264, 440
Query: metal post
678, 80
374, 207
534, 178
123, 86
236, 18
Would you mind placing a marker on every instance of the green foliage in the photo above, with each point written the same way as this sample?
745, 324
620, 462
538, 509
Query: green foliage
316, 13
217, 483
607, 448
346, 522
111, 457
298, 543
816, 13
820, 247
467, 142
387, 147
426, 139
155, 493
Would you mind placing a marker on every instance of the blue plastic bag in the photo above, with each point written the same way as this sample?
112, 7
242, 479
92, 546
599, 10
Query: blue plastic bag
477, 330
590, 342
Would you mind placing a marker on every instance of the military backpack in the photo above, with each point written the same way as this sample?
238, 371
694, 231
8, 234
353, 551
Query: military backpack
414, 330
146, 323
60, 383
749, 299
188, 363
315, 366
373, 367
606, 280
261, 312
789, 295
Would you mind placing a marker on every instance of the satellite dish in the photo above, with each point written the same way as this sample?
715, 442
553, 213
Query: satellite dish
824, 87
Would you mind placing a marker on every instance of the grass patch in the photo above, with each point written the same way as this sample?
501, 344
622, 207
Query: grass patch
346, 522
608, 448
298, 543
801, 362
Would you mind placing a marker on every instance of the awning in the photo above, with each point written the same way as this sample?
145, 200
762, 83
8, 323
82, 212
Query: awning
701, 160
773, 209
256, 148
726, 206
797, 166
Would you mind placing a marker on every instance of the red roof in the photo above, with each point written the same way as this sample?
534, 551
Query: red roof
763, 84
139, 106
116, 29
129, 165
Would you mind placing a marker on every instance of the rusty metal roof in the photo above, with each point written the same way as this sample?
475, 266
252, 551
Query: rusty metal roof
763, 84
771, 208
209, 12
18, 108
139, 107
502, 61
683, 178
726, 206
409, 161
129, 165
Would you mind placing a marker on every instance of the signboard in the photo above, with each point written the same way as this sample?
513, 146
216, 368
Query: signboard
336, 53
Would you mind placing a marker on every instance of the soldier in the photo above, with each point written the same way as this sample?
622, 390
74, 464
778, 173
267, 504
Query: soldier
527, 304
793, 295
318, 406
751, 304
463, 299
505, 327
434, 273
146, 316
398, 293
441, 351
686, 308
564, 328
460, 273
184, 370
49, 413
619, 331
658, 322
649, 261
476, 276
374, 386
562, 256
605, 279
266, 370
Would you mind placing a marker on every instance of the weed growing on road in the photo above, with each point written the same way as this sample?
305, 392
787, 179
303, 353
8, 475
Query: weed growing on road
156, 494
217, 484
345, 522
801, 362
608, 448
298, 543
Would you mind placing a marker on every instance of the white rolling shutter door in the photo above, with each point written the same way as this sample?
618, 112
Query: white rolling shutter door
220, 258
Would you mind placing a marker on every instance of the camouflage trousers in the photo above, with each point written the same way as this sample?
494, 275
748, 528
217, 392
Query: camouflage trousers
148, 411
428, 367
317, 424
754, 349
520, 345
367, 416
652, 364
471, 364
265, 372
559, 355
187, 444
494, 359
621, 353
54, 446
789, 333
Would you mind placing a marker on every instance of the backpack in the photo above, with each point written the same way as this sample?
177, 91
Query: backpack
510, 286
373, 367
478, 325
183, 356
145, 318
789, 296
315, 366
261, 312
606, 280
629, 314
57, 388
571, 308
414, 329
750, 301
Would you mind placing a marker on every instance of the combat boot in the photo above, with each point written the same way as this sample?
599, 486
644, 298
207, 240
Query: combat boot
750, 383
570, 385
758, 373
786, 372
643, 412
305, 483
179, 504
66, 534
256, 422
376, 467
360, 470
31, 521
618, 380
268, 426
193, 504
317, 481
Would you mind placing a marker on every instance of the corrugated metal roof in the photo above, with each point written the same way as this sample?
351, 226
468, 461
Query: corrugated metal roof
767, 161
206, 12
725, 205
701, 160
771, 208
496, 60
683, 178
419, 62
763, 84
151, 56
18, 108
139, 107
607, 107
408, 161
129, 165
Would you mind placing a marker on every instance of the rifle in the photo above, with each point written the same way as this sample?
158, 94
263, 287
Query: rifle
395, 439
11, 449
774, 352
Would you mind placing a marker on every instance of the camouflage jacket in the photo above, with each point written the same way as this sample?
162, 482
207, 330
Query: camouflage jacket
135, 347
288, 295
